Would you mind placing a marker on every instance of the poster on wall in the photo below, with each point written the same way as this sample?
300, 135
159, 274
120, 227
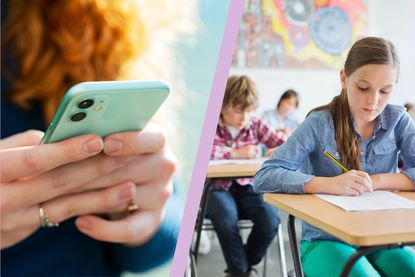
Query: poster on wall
310, 34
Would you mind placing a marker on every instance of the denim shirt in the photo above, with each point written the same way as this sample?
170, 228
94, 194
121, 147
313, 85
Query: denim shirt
301, 157
275, 121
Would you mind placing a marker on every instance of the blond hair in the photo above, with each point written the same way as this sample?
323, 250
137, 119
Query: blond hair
240, 93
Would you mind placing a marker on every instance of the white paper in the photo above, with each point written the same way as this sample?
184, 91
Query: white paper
377, 200
238, 161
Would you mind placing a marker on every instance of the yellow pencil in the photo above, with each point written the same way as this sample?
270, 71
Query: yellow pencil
345, 169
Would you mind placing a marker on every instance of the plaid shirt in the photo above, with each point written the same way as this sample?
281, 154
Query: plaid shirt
254, 133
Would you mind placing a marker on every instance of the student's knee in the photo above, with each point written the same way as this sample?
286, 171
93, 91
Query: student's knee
225, 220
390, 262
270, 216
327, 258
268, 221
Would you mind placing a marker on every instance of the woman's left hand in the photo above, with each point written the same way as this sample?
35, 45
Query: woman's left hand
150, 166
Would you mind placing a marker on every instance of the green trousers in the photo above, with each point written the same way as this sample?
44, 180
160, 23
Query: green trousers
327, 258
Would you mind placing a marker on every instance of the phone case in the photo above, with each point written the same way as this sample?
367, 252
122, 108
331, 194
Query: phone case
104, 108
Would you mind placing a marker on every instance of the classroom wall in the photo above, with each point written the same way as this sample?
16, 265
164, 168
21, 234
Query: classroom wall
394, 20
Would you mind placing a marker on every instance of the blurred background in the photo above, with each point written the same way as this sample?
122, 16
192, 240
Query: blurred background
301, 45
195, 58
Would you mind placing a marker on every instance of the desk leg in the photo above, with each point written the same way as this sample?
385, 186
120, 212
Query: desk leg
200, 218
363, 251
294, 246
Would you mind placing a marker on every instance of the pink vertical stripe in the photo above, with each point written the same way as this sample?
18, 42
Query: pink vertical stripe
206, 140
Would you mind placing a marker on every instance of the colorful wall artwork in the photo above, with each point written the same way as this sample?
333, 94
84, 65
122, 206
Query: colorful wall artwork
299, 33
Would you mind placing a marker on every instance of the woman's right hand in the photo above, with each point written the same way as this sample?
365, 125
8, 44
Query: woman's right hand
354, 182
33, 174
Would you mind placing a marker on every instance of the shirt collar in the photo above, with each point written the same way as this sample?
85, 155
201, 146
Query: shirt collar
380, 123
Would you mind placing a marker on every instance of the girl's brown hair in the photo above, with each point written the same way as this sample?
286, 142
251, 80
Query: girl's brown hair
56, 44
241, 93
369, 50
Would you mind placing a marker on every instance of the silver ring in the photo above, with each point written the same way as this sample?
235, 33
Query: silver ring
44, 220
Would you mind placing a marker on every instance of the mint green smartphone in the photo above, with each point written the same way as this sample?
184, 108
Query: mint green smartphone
104, 108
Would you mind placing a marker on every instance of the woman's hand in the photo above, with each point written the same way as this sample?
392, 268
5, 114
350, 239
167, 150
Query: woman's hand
150, 166
351, 183
32, 174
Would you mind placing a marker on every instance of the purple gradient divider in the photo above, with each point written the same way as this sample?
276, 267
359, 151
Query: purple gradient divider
202, 159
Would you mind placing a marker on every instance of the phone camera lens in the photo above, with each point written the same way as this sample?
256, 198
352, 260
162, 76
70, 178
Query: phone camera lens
84, 104
78, 116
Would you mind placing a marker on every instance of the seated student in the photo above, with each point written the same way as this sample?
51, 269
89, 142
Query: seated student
237, 137
281, 118
366, 133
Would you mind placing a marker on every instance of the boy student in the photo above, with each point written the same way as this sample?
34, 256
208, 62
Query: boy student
237, 137
366, 133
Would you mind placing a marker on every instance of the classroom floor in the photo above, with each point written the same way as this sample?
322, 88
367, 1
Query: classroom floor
213, 264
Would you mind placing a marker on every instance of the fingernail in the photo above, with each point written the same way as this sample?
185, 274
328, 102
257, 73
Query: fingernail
126, 193
112, 145
93, 145
84, 224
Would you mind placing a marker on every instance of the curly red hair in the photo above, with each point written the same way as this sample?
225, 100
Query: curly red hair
57, 44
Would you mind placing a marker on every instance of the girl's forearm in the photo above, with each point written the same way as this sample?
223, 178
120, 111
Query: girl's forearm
392, 181
319, 185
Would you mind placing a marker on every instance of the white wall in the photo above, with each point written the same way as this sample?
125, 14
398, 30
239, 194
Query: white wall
393, 20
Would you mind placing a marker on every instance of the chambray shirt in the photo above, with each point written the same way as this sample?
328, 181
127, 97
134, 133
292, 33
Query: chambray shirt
301, 157
275, 121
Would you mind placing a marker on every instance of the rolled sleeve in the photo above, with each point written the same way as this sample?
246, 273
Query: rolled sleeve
220, 152
279, 180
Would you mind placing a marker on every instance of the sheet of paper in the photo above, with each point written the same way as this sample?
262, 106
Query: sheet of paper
377, 200
238, 161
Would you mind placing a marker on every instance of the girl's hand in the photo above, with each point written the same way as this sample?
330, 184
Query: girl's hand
150, 166
353, 182
246, 152
33, 174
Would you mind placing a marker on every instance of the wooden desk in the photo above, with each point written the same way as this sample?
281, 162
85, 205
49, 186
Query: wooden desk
367, 229
233, 170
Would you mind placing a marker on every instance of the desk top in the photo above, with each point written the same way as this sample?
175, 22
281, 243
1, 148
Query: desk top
233, 170
357, 228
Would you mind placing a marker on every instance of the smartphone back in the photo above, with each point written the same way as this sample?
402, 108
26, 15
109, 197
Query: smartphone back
104, 108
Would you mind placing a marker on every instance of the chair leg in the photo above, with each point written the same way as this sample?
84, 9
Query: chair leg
294, 248
192, 267
283, 262
200, 219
